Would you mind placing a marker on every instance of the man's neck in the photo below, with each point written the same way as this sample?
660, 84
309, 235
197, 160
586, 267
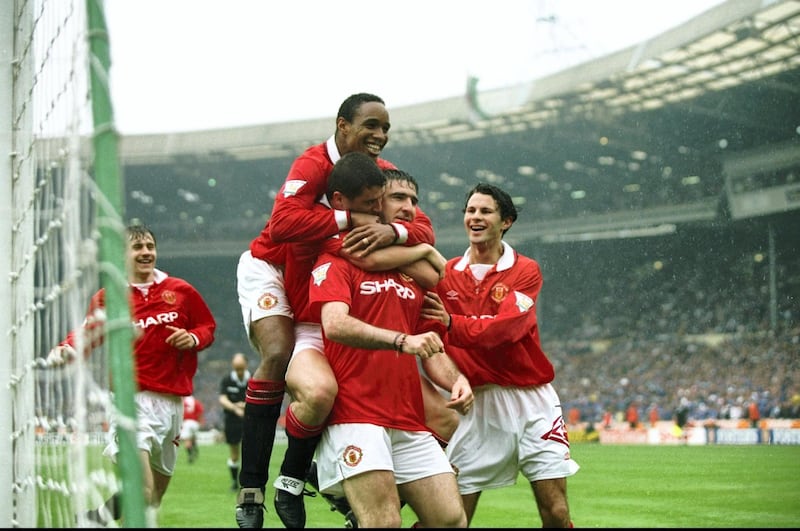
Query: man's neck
485, 253
142, 279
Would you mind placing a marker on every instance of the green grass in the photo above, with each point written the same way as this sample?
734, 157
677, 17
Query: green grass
617, 486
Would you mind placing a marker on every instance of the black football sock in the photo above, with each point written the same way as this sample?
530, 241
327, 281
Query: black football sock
299, 455
258, 438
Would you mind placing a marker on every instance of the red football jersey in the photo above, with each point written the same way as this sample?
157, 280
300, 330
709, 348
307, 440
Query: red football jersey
375, 386
169, 301
494, 334
192, 409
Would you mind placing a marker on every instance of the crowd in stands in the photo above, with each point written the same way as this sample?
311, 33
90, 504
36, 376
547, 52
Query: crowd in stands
695, 319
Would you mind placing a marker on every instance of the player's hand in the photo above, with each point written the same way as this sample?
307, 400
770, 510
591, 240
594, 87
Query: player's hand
461, 396
433, 308
423, 345
180, 338
364, 239
60, 355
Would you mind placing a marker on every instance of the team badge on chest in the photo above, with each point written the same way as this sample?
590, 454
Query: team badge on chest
169, 297
499, 292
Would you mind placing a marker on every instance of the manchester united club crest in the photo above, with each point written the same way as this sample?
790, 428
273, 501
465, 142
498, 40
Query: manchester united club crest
352, 455
169, 297
267, 301
499, 292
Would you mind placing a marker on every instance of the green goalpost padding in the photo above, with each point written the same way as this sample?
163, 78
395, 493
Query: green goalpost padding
110, 222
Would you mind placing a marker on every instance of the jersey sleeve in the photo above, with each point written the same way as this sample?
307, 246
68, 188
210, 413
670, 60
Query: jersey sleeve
203, 324
93, 325
418, 231
294, 216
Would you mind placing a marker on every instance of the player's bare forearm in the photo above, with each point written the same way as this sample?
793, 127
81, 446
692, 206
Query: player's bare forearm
443, 372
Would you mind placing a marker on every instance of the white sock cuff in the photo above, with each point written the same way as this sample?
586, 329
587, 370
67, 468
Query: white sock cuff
295, 486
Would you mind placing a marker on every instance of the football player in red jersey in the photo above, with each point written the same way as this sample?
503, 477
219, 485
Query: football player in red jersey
193, 420
362, 125
172, 324
487, 300
372, 341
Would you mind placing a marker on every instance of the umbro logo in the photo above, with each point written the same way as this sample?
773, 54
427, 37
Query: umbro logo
451, 295
558, 432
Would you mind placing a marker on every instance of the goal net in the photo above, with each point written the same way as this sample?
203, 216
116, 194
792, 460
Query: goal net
54, 219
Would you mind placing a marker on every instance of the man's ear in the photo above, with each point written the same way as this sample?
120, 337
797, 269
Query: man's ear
342, 125
339, 201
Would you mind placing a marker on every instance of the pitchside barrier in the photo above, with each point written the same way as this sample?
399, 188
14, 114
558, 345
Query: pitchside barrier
768, 431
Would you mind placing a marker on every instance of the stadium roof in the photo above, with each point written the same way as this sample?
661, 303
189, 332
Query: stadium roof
638, 140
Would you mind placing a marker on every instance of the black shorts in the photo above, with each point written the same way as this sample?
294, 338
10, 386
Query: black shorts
233, 430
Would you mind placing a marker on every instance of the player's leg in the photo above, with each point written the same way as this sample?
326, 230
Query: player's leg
312, 386
160, 482
269, 321
187, 436
374, 499
425, 480
544, 453
470, 502
160, 485
435, 500
551, 500
274, 337
368, 449
233, 438
497, 463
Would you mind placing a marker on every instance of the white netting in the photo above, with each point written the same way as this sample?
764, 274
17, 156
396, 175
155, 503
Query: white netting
59, 412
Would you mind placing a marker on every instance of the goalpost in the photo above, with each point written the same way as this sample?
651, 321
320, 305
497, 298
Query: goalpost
61, 239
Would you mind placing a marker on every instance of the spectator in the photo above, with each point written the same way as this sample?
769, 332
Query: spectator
654, 415
632, 415
753, 414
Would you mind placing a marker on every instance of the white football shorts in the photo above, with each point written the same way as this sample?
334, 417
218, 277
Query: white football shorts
261, 289
347, 450
189, 429
509, 431
159, 420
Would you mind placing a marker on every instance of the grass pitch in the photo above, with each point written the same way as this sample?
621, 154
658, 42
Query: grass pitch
617, 486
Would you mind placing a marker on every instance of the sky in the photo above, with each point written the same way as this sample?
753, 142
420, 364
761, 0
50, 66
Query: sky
187, 65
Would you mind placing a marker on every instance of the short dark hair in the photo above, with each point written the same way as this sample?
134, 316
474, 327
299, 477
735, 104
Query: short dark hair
393, 174
349, 107
137, 230
353, 173
507, 208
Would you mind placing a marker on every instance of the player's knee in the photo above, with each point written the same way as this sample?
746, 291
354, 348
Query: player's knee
321, 397
316, 394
